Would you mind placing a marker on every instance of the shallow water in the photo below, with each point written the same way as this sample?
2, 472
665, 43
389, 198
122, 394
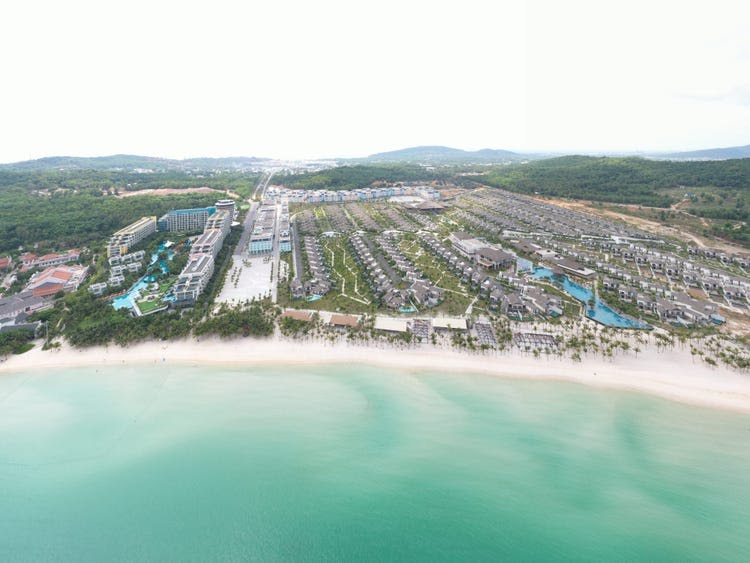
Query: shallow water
328, 464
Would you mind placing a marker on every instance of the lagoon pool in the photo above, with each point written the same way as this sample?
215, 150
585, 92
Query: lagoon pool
601, 312
127, 301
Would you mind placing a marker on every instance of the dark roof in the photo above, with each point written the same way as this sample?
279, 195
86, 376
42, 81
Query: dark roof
494, 254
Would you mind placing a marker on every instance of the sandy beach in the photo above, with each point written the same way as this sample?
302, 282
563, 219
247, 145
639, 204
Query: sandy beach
670, 374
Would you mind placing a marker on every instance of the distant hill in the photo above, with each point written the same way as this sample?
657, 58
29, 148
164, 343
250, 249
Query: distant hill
726, 153
131, 162
619, 179
435, 154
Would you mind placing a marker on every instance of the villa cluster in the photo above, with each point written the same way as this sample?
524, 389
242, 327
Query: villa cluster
674, 284
275, 193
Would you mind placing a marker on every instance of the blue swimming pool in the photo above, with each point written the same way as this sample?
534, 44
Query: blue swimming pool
601, 312
127, 300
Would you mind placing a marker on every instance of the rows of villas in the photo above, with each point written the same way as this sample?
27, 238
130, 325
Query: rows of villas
341, 196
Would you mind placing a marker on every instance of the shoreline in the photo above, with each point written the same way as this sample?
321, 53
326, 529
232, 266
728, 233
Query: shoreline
669, 374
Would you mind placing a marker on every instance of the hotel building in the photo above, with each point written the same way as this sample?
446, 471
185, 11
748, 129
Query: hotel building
261, 239
227, 205
221, 221
122, 240
208, 243
185, 219
193, 279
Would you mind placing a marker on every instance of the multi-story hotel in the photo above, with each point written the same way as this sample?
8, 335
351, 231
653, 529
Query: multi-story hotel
208, 243
285, 239
122, 240
221, 220
194, 278
200, 267
227, 205
261, 239
185, 219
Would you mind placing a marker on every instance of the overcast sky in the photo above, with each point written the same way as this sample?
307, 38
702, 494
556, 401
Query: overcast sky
324, 78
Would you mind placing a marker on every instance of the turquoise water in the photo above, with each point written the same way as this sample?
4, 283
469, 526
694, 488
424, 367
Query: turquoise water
127, 300
601, 312
358, 464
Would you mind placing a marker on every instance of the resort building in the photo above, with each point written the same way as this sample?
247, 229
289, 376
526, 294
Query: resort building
342, 322
227, 205
56, 278
208, 243
127, 258
98, 289
296, 315
193, 279
285, 239
121, 242
29, 260
22, 304
466, 244
493, 258
221, 220
261, 239
185, 219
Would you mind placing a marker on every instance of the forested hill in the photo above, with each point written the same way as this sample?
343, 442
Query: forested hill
438, 154
361, 176
132, 162
710, 154
67, 208
621, 180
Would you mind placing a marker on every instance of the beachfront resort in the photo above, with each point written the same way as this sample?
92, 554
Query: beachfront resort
477, 267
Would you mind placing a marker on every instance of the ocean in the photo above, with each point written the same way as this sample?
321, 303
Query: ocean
176, 463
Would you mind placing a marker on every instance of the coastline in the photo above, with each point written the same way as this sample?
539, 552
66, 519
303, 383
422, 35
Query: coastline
669, 374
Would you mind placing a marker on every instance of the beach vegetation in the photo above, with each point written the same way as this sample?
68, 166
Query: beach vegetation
16, 341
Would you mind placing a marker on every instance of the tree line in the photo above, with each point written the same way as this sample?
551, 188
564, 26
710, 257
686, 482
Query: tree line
617, 180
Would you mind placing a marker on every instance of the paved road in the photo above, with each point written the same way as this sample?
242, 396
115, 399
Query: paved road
382, 261
252, 212
276, 254
247, 229
260, 190
297, 252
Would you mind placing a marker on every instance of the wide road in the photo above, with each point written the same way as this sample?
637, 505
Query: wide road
260, 190
247, 226
247, 229
276, 255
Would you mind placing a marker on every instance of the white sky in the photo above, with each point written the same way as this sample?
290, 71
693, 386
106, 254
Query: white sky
324, 78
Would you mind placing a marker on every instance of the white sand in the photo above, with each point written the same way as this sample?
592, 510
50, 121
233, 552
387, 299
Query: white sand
672, 374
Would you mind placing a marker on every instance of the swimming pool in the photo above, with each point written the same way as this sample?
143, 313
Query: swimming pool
127, 300
601, 312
